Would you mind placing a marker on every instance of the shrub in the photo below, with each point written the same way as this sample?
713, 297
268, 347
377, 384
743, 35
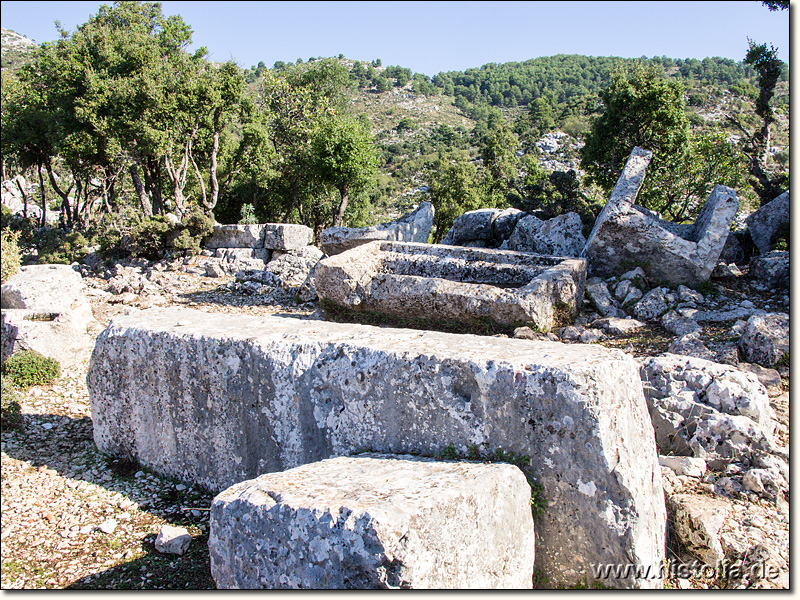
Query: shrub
57, 246
10, 410
28, 368
9, 254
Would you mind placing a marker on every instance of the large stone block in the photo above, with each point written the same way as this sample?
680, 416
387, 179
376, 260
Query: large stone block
63, 336
764, 223
626, 234
217, 399
287, 236
236, 236
43, 288
454, 283
559, 236
413, 227
375, 521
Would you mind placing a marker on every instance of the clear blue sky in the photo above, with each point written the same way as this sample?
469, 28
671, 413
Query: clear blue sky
430, 37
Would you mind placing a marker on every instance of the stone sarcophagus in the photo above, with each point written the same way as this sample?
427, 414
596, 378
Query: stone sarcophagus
454, 283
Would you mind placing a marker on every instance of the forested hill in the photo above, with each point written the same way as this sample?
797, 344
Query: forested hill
569, 83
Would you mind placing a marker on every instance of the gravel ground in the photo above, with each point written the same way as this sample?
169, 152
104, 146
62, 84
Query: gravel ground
73, 518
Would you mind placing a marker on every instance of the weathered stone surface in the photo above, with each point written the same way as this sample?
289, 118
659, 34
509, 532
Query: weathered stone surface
616, 326
765, 339
63, 336
472, 226
455, 283
698, 521
764, 223
769, 378
287, 236
772, 268
559, 236
597, 291
691, 345
236, 236
217, 399
679, 325
625, 233
173, 540
413, 227
652, 305
684, 465
712, 411
45, 288
233, 260
375, 521
45, 309
293, 267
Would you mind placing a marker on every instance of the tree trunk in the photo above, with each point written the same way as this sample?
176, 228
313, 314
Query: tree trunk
338, 217
44, 199
22, 191
144, 201
65, 204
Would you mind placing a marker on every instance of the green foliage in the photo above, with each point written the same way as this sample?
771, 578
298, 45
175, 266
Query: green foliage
640, 109
248, 215
449, 452
780, 241
453, 189
27, 368
9, 254
10, 410
57, 246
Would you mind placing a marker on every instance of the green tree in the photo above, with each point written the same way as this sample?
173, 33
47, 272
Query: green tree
454, 188
640, 109
768, 66
345, 159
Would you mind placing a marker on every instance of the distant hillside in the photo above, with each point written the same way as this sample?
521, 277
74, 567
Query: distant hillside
413, 117
17, 50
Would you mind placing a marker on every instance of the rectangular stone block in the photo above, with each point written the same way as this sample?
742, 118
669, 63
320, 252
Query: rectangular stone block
236, 236
454, 283
217, 399
375, 521
286, 236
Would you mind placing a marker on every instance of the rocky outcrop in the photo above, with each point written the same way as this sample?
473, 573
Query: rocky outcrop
272, 236
628, 234
707, 410
217, 399
413, 227
375, 521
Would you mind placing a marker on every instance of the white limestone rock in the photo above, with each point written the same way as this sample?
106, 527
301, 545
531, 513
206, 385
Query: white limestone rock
173, 540
712, 411
287, 236
375, 521
698, 522
765, 222
765, 340
559, 236
224, 398
236, 236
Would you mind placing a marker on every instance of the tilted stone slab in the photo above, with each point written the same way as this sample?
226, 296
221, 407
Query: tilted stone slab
625, 234
454, 283
413, 227
375, 521
764, 223
217, 399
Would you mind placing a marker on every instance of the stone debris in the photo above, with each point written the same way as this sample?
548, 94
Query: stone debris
413, 227
376, 522
173, 540
678, 254
708, 410
698, 523
765, 339
266, 394
772, 268
453, 283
